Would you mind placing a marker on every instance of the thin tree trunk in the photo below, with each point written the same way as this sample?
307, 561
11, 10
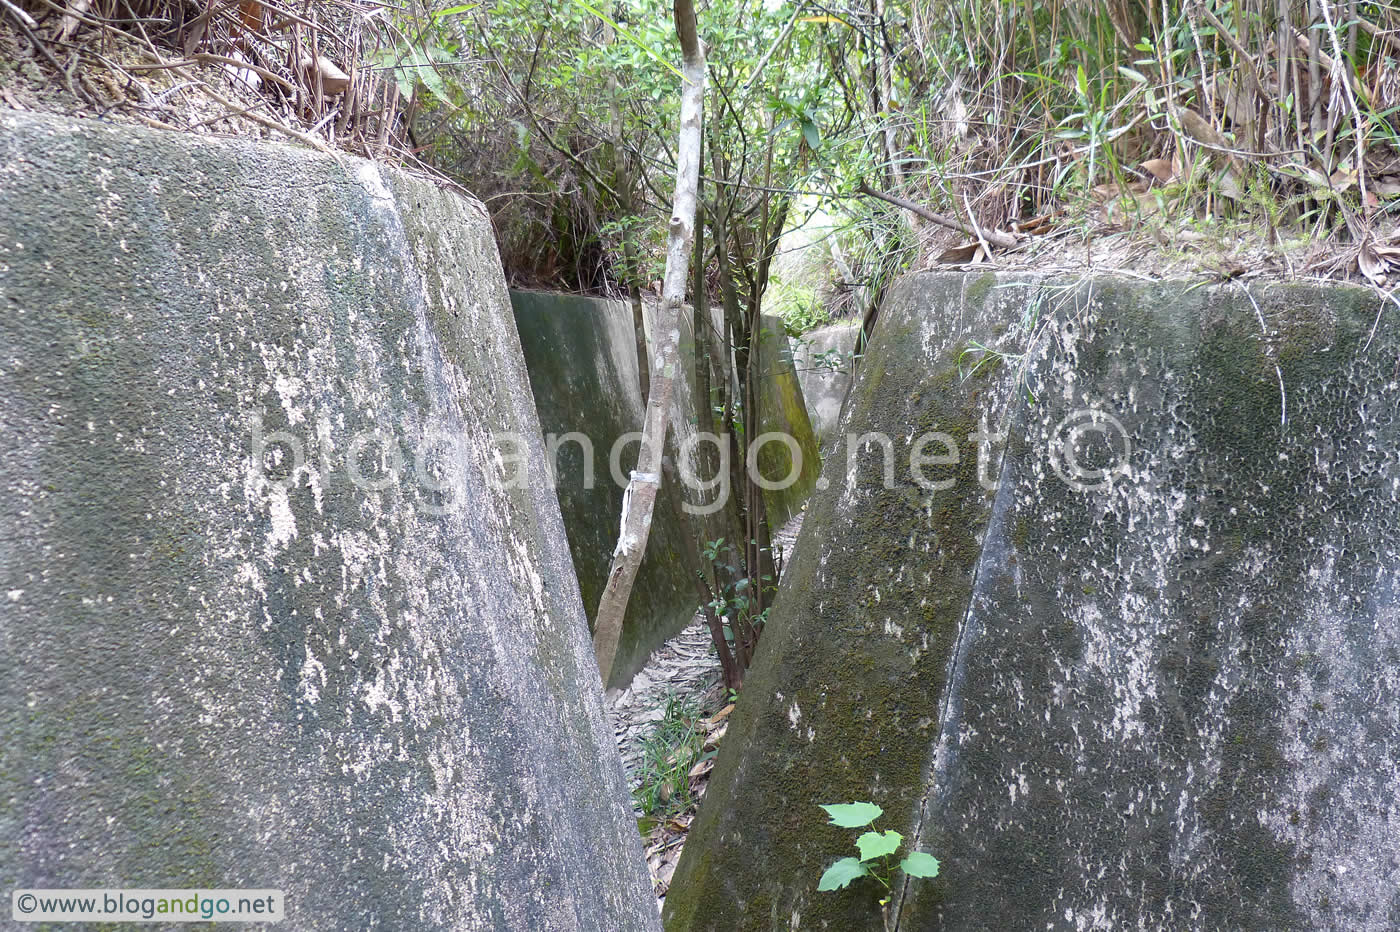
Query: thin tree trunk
884, 93
735, 365
706, 578
630, 260
639, 330
640, 500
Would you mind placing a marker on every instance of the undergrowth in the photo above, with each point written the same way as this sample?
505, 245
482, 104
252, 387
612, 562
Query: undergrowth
669, 753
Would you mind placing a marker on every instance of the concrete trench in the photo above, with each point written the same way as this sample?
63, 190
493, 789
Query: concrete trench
286, 598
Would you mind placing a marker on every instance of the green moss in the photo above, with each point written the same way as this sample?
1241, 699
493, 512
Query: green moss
905, 557
978, 288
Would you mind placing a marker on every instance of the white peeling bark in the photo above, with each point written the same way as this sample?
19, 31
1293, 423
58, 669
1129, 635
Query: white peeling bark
639, 502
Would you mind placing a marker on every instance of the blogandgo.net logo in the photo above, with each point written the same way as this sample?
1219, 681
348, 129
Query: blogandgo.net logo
140, 905
1088, 450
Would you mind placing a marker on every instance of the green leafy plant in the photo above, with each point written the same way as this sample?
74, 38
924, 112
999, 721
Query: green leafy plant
799, 307
734, 603
832, 360
877, 850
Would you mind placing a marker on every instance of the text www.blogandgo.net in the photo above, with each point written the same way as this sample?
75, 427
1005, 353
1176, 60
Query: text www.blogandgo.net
139, 905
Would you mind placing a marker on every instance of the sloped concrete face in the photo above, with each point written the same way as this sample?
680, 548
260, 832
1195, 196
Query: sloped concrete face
825, 364
582, 358
276, 610
1134, 667
789, 463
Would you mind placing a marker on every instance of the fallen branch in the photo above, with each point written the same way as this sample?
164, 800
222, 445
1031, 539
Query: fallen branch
24, 18
995, 237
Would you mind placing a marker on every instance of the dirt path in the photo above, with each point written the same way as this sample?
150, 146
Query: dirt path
684, 671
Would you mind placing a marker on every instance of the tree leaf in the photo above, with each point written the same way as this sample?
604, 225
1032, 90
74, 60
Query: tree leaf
878, 844
920, 864
455, 10
630, 36
425, 71
853, 815
838, 875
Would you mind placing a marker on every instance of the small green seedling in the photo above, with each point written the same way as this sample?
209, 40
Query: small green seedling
876, 851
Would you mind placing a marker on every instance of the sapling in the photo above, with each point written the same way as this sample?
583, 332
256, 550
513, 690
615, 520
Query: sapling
877, 850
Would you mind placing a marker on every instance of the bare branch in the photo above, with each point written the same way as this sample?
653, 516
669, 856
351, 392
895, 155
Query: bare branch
995, 237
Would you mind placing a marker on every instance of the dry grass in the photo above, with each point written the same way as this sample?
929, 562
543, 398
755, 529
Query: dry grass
293, 69
1273, 119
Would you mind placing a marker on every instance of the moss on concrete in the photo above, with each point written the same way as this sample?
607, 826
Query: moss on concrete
782, 410
229, 666
1095, 705
581, 355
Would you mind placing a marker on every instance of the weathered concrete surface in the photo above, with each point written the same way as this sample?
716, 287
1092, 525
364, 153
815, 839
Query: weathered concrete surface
825, 363
1166, 701
582, 358
788, 466
226, 669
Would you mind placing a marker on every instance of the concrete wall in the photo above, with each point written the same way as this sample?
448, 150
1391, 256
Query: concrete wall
581, 353
361, 675
794, 465
582, 358
1132, 667
825, 364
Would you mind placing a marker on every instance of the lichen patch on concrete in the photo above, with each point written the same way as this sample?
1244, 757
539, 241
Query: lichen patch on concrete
1152, 689
281, 623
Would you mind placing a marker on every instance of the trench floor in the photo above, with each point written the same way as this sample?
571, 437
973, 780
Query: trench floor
683, 674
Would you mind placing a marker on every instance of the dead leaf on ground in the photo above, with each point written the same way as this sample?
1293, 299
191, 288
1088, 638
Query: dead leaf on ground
1200, 129
966, 254
333, 80
1228, 270
663, 876
1343, 179
716, 736
1160, 169
1378, 261
1385, 187
1036, 226
252, 14
1104, 192
1229, 184
721, 715
702, 768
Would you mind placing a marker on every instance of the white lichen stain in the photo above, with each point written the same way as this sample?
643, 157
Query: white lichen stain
1123, 658
284, 523
1343, 699
313, 678
380, 694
